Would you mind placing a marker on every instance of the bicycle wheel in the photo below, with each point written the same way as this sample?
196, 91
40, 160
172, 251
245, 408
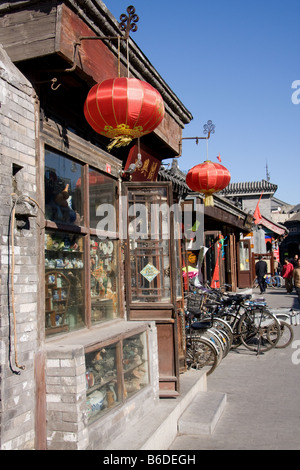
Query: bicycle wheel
282, 282
253, 329
276, 281
212, 335
200, 353
223, 325
286, 334
223, 338
233, 320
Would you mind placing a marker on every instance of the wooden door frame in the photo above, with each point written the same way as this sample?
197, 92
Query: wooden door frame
244, 277
216, 233
165, 314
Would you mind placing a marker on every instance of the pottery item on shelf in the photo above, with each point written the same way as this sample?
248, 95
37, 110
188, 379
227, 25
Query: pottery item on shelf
59, 263
90, 380
110, 398
95, 402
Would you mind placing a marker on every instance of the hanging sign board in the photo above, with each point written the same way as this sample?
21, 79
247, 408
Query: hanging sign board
150, 164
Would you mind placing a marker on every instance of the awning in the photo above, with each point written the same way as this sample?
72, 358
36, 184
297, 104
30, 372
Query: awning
279, 229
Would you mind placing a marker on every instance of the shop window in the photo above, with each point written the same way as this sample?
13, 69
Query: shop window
81, 261
63, 195
210, 257
244, 256
135, 364
102, 380
104, 279
179, 279
102, 191
149, 244
64, 282
114, 373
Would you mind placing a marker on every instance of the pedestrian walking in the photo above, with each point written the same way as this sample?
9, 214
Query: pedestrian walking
296, 278
287, 274
277, 271
294, 261
261, 270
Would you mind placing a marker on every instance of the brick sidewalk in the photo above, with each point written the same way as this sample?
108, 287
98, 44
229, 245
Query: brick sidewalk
263, 399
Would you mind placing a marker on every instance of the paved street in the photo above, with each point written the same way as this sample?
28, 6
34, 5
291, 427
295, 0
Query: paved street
263, 396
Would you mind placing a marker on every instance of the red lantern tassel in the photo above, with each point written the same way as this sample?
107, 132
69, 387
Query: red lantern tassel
209, 200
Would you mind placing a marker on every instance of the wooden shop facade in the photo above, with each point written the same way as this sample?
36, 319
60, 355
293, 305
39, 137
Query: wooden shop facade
98, 312
224, 238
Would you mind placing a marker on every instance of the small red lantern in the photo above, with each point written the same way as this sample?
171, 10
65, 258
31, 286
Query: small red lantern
208, 178
123, 109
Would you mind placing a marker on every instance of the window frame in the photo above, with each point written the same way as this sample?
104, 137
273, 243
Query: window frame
57, 138
118, 341
158, 304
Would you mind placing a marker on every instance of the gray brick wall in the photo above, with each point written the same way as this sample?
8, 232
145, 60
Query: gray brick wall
17, 151
66, 398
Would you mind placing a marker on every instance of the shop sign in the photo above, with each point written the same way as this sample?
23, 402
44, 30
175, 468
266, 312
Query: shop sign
149, 168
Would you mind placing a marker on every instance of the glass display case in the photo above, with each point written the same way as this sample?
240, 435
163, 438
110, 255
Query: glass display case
114, 373
149, 245
64, 282
135, 364
244, 256
102, 194
102, 381
104, 279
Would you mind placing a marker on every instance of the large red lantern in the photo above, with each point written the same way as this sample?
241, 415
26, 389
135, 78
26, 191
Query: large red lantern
208, 178
123, 109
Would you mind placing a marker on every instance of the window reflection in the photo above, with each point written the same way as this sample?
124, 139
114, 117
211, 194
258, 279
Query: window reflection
101, 193
149, 243
63, 195
244, 257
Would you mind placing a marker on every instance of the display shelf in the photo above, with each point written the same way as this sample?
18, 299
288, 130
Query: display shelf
104, 298
56, 298
64, 282
114, 373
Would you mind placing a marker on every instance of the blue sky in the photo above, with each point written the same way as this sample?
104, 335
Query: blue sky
234, 62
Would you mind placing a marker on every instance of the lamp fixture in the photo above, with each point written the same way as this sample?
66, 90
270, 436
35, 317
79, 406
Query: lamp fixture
126, 174
208, 128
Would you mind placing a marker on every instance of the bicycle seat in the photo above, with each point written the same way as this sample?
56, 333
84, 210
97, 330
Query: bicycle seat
201, 325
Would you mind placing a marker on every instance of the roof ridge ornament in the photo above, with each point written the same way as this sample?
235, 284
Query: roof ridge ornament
208, 128
128, 23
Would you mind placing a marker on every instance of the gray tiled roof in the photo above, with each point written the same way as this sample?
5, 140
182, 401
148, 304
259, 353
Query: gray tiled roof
250, 187
294, 209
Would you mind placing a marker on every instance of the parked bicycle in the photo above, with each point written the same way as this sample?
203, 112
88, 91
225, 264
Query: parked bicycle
286, 334
250, 321
275, 281
217, 321
208, 340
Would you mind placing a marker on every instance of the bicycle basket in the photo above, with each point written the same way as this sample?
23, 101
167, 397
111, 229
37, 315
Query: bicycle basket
194, 301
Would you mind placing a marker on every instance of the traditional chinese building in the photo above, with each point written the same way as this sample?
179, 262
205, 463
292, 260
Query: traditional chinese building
225, 226
88, 311
91, 298
267, 234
